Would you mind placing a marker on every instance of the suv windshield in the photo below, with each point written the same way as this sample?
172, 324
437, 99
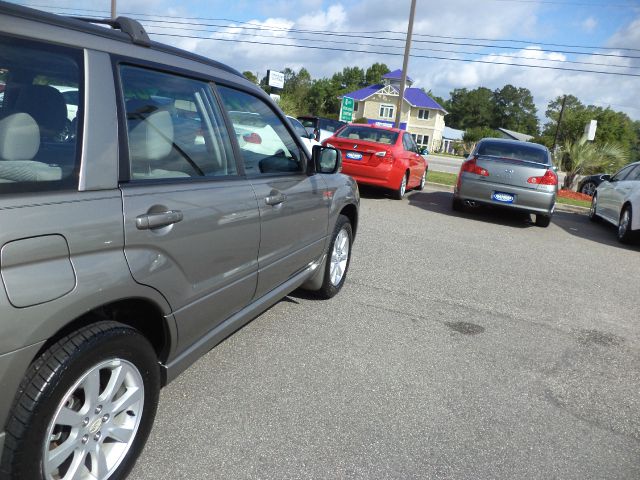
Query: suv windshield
377, 135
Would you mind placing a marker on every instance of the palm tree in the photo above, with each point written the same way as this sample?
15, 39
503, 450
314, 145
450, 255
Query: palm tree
582, 157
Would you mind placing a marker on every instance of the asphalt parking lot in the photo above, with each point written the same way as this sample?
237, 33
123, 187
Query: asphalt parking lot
471, 345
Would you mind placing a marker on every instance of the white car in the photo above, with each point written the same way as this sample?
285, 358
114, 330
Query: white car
302, 132
617, 201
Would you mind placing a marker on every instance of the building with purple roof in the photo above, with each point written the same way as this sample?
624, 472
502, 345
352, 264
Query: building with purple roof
421, 116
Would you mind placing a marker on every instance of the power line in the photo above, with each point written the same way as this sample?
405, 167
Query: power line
397, 54
461, 52
348, 35
284, 29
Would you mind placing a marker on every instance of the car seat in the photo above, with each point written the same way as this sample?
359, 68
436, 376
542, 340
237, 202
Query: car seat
47, 107
19, 144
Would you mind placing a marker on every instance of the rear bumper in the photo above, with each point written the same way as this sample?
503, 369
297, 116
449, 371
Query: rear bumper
525, 199
382, 175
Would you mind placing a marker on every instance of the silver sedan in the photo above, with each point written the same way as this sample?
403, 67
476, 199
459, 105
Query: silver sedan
617, 201
510, 174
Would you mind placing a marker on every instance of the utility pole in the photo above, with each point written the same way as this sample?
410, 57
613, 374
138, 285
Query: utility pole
555, 139
113, 9
405, 63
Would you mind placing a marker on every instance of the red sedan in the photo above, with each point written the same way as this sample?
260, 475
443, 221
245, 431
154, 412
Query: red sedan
381, 156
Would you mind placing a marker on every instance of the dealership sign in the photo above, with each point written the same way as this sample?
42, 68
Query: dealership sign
275, 79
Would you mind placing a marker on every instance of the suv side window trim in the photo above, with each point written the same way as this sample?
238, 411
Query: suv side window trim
124, 158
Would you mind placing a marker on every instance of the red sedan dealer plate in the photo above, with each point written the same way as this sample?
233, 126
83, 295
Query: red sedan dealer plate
354, 156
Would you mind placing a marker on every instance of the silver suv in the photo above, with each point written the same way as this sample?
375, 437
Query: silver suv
152, 202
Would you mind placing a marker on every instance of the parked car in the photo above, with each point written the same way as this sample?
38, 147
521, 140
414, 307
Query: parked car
321, 128
138, 245
381, 156
617, 200
509, 174
308, 139
589, 183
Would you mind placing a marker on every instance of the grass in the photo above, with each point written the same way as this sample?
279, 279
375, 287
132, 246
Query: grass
444, 178
575, 202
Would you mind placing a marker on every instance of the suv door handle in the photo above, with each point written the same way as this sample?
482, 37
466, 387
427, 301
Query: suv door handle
157, 220
275, 198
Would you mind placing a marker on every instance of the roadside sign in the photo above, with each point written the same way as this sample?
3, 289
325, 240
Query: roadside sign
346, 112
275, 79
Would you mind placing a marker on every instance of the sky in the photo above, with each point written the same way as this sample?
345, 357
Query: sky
601, 35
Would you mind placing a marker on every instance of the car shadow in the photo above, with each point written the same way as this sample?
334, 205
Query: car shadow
375, 193
440, 202
576, 224
579, 225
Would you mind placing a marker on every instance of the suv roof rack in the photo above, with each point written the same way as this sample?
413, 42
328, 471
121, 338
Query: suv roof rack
131, 27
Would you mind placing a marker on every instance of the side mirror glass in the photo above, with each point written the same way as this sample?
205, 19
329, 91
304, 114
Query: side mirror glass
326, 159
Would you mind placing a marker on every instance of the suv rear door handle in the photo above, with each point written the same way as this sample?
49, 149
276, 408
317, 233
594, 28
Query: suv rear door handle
157, 220
275, 198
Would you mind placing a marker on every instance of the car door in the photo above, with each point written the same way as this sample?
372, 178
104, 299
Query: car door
294, 208
191, 222
611, 194
414, 159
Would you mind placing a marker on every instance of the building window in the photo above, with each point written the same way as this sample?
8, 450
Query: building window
421, 140
423, 114
386, 111
355, 106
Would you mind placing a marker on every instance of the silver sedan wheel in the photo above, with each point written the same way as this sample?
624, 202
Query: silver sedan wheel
339, 257
95, 424
594, 206
623, 225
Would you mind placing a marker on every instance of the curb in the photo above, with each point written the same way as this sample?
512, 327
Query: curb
561, 207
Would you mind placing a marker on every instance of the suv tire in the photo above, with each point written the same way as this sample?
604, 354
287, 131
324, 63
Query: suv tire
338, 259
56, 404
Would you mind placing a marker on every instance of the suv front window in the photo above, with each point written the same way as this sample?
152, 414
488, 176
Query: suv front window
265, 143
38, 148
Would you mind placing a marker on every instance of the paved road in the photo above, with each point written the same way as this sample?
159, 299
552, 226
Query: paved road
463, 346
439, 163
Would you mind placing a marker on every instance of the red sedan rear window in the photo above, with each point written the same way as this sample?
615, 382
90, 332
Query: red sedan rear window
368, 134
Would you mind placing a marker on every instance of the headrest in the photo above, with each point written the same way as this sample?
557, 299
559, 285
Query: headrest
19, 137
152, 137
47, 107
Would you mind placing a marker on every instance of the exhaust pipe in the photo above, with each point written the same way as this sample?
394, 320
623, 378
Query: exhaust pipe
470, 203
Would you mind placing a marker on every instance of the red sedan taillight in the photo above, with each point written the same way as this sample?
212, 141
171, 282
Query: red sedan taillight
549, 178
472, 166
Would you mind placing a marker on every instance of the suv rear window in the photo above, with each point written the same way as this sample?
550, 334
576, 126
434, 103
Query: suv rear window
520, 151
369, 134
39, 115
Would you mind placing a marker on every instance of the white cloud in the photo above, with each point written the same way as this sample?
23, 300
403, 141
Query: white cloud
589, 24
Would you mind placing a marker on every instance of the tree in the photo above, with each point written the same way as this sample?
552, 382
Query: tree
250, 76
514, 110
374, 73
474, 134
351, 78
470, 108
583, 157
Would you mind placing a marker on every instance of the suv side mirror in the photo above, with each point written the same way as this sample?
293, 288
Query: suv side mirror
324, 160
